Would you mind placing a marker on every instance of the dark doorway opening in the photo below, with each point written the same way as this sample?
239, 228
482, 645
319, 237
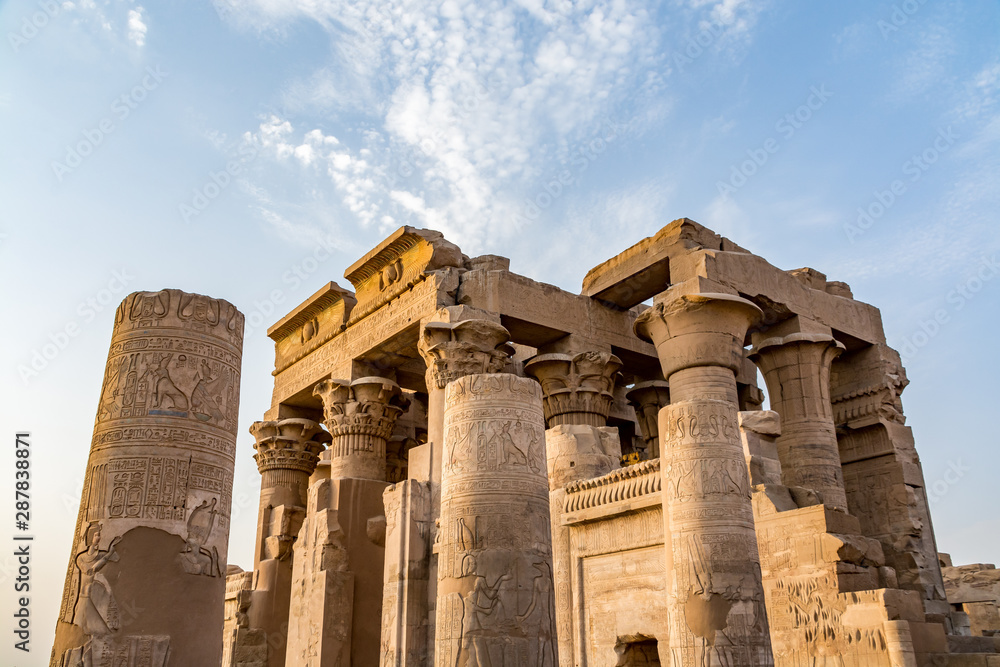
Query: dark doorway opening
638, 653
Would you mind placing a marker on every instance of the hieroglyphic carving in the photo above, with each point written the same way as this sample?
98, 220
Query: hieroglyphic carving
162, 461
495, 593
716, 606
648, 398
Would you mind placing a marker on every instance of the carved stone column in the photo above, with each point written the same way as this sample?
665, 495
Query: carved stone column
360, 416
455, 349
576, 389
577, 392
287, 453
796, 368
495, 592
456, 342
648, 398
147, 573
715, 599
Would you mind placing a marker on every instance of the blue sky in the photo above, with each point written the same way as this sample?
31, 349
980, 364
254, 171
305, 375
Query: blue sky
222, 148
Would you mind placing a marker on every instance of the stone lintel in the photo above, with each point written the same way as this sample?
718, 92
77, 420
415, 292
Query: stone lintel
538, 315
643, 270
396, 264
312, 323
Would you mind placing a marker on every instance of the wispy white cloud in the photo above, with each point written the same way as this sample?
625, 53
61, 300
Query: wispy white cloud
467, 105
136, 27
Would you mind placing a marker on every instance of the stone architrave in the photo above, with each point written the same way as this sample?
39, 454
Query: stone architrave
495, 591
715, 594
648, 398
576, 389
146, 577
796, 369
360, 416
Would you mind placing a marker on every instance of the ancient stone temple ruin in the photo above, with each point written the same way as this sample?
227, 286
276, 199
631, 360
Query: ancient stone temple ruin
463, 467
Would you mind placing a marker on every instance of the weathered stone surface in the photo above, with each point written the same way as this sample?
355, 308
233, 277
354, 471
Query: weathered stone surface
495, 592
147, 574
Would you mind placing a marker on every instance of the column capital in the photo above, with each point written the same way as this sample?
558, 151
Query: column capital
826, 345
455, 349
576, 389
360, 415
648, 398
288, 444
698, 330
367, 405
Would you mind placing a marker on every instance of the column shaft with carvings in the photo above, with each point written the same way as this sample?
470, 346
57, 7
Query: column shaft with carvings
715, 595
146, 576
287, 453
577, 392
495, 590
796, 369
337, 581
457, 341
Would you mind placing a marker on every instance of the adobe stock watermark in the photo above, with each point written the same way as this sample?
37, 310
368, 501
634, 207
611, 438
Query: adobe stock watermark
959, 297
582, 156
105, 298
217, 181
33, 24
266, 310
786, 126
121, 108
915, 168
899, 17
952, 476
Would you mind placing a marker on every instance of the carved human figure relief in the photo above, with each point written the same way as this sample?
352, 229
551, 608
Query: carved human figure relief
96, 610
195, 558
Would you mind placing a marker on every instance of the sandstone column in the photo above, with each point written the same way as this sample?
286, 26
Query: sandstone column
648, 398
796, 369
340, 551
495, 599
147, 572
715, 600
287, 453
577, 392
456, 341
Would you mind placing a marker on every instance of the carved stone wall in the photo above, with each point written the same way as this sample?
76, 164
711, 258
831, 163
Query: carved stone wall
495, 594
147, 572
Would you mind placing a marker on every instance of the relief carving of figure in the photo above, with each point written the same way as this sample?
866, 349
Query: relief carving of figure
196, 559
164, 389
96, 610
509, 448
206, 398
541, 607
479, 616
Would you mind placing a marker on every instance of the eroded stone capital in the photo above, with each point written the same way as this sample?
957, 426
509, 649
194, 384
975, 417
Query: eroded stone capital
288, 444
368, 405
647, 398
576, 389
698, 330
360, 416
454, 350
